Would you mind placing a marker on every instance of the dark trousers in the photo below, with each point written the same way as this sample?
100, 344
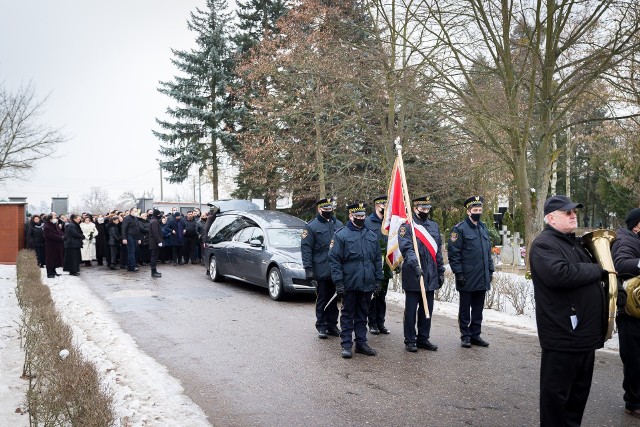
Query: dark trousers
113, 253
176, 253
355, 306
154, 257
326, 318
144, 254
565, 381
51, 271
378, 306
470, 313
165, 253
190, 248
40, 255
414, 307
132, 244
107, 254
629, 342
123, 255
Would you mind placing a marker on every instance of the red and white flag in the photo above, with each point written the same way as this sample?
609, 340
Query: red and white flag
394, 216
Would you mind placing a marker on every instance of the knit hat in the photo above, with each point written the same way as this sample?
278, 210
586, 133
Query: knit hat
633, 218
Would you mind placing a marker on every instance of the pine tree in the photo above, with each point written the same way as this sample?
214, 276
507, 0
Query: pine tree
256, 17
202, 126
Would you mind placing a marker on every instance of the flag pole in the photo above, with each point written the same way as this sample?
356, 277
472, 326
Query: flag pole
409, 213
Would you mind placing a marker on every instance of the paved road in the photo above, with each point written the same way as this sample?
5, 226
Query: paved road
249, 361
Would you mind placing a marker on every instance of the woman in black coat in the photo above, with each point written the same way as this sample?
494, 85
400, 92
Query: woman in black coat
144, 256
102, 240
53, 245
73, 238
35, 238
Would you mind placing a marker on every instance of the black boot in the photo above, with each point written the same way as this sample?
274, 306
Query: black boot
154, 273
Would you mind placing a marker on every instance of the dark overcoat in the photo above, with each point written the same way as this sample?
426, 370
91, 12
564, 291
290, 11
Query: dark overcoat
53, 245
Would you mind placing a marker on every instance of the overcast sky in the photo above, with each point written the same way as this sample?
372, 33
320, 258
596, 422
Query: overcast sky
99, 63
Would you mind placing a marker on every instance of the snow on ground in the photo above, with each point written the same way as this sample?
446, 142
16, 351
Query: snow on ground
144, 392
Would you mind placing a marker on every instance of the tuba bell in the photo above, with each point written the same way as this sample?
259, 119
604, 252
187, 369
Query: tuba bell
632, 288
599, 244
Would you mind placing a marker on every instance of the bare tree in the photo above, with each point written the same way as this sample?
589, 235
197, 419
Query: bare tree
23, 138
509, 74
97, 201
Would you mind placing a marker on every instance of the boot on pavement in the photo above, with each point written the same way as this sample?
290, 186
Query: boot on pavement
155, 273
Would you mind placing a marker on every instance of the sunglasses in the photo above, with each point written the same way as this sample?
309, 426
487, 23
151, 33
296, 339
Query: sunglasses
570, 211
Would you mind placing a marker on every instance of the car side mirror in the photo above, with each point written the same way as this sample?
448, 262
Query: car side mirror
255, 243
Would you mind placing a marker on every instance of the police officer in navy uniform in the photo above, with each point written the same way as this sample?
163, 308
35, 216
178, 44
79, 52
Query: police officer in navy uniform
470, 260
356, 270
432, 271
378, 304
316, 238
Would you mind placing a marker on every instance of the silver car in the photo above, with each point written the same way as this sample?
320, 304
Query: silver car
259, 247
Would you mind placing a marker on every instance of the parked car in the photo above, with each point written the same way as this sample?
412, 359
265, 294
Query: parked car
260, 247
226, 205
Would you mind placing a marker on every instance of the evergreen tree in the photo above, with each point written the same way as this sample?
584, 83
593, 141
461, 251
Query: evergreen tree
255, 17
202, 123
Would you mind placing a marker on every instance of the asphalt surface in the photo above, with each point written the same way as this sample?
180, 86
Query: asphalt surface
249, 361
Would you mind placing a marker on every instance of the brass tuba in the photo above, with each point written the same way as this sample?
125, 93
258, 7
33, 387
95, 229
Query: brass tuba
632, 287
599, 244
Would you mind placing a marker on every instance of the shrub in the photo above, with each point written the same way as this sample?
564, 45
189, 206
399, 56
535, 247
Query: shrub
61, 392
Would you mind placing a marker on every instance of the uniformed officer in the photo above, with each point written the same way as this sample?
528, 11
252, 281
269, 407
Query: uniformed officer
378, 304
314, 245
626, 257
432, 270
356, 270
470, 260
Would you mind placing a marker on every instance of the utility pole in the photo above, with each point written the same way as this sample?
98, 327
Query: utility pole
199, 188
161, 192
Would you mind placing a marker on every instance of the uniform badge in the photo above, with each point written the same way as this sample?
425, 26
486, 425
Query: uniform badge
403, 231
305, 233
331, 244
454, 236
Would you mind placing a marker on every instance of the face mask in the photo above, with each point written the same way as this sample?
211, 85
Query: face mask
134, 213
100, 220
423, 216
381, 212
326, 214
54, 220
358, 222
475, 217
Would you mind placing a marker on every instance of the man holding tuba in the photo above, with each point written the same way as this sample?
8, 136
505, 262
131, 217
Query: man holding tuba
626, 258
570, 303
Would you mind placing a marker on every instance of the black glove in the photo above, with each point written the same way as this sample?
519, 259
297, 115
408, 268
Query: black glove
621, 301
340, 289
308, 274
417, 271
378, 289
460, 281
605, 275
440, 281
214, 209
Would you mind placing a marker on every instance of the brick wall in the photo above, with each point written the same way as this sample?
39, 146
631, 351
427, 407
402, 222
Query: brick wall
11, 231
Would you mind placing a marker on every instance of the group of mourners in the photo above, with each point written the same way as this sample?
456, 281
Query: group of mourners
121, 240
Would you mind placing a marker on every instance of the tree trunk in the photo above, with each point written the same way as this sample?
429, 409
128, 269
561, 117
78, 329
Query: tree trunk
568, 169
318, 151
214, 167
